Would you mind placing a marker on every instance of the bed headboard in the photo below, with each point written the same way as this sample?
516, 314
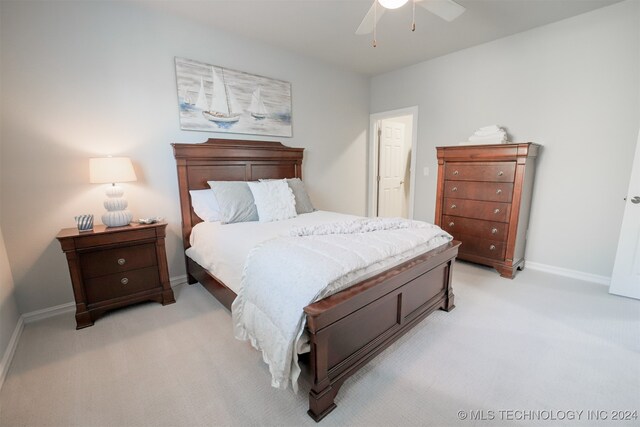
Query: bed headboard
229, 160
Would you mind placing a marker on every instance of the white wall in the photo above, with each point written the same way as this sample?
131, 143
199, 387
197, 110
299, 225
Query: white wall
571, 86
82, 79
9, 314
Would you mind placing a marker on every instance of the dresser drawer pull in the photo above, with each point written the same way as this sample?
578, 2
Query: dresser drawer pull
451, 224
454, 189
455, 172
121, 261
492, 247
124, 280
453, 206
496, 211
494, 230
498, 191
500, 173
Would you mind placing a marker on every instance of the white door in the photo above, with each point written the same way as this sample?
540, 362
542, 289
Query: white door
391, 167
625, 280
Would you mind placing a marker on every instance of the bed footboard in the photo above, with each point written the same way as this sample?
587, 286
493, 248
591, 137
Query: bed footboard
350, 328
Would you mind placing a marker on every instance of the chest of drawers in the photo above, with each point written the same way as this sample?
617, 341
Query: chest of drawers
483, 200
115, 267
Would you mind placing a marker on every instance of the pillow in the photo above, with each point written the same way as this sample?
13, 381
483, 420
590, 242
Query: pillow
303, 202
205, 205
235, 201
274, 200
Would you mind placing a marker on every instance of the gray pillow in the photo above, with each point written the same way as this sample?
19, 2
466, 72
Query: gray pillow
303, 202
235, 200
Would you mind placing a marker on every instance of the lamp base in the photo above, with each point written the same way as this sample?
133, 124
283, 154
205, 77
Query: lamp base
117, 214
117, 218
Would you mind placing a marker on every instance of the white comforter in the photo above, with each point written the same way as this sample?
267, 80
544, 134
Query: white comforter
314, 262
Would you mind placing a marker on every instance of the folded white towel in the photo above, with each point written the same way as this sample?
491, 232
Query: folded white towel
491, 134
490, 128
488, 133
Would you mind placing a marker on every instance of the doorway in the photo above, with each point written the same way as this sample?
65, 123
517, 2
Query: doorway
393, 138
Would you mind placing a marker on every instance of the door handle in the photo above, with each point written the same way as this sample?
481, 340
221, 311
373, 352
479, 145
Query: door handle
635, 200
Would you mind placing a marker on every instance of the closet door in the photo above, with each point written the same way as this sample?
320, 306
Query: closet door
625, 279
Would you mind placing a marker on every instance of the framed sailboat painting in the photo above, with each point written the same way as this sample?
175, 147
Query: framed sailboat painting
217, 99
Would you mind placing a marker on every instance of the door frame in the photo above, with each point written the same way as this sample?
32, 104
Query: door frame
372, 181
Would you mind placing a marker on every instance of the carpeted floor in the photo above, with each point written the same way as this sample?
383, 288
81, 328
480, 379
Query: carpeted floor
541, 346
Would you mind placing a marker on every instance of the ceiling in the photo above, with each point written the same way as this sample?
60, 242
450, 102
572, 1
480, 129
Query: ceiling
325, 29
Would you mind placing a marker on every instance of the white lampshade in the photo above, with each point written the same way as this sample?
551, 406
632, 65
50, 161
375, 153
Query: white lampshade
392, 4
111, 169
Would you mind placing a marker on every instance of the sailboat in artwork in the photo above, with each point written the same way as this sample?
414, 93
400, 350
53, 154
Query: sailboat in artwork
224, 106
201, 101
257, 108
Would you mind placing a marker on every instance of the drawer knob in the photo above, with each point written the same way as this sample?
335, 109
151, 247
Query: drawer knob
124, 280
500, 173
492, 247
453, 206
496, 211
121, 261
494, 230
454, 189
498, 191
451, 224
455, 172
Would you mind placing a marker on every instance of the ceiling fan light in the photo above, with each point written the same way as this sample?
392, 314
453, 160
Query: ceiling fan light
392, 4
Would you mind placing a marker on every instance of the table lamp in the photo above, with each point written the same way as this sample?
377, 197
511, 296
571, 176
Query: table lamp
113, 170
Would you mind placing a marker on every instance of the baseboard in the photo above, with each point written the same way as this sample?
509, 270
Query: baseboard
574, 274
178, 280
7, 357
45, 313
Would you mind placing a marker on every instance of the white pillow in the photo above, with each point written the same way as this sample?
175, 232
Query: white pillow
274, 200
205, 205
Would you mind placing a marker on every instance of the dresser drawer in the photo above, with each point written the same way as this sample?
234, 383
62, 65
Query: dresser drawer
477, 246
121, 284
475, 227
109, 261
480, 171
490, 211
491, 191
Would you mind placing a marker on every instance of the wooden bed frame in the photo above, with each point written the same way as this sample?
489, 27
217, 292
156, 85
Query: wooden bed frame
349, 328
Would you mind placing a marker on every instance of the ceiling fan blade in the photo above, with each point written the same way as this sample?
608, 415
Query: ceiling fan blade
366, 26
445, 9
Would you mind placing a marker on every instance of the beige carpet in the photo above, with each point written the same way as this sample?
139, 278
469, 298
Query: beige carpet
539, 343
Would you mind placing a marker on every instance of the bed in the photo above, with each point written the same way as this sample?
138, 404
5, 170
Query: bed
344, 330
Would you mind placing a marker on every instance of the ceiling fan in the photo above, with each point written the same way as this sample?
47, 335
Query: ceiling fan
445, 9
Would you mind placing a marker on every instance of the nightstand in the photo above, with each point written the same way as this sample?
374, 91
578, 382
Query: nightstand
115, 267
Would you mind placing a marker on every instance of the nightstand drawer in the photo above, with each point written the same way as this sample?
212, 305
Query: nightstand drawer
109, 261
121, 284
475, 227
485, 171
492, 191
490, 211
122, 235
481, 247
